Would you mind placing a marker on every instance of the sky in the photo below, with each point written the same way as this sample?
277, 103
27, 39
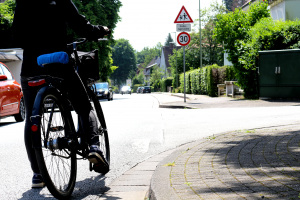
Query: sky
145, 23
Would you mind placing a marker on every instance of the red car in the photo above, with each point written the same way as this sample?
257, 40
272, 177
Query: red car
11, 96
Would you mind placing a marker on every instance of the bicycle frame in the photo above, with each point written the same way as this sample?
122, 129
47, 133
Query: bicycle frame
46, 83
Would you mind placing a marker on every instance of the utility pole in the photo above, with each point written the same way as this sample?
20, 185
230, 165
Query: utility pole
200, 32
177, 77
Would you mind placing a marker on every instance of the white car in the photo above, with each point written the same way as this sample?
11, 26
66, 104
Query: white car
126, 90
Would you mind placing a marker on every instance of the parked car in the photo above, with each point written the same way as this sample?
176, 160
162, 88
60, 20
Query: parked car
103, 91
139, 90
11, 95
126, 90
146, 89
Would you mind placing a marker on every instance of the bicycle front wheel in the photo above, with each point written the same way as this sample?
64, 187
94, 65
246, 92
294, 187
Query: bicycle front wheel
56, 158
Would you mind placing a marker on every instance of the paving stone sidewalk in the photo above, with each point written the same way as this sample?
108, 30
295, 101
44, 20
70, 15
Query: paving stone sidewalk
246, 164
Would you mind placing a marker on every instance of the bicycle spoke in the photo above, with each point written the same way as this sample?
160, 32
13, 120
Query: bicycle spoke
57, 157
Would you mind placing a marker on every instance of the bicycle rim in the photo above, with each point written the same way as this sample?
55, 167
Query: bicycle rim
56, 158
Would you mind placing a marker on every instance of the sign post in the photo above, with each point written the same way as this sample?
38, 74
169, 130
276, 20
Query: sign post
183, 38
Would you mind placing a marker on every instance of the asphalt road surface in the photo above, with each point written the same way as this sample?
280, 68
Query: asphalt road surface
138, 129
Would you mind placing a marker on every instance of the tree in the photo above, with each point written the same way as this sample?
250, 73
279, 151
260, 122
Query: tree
104, 12
212, 49
6, 18
155, 78
232, 29
169, 40
231, 5
124, 57
147, 54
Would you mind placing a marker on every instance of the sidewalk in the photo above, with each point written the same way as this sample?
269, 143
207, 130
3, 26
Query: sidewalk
249, 164
254, 164
171, 100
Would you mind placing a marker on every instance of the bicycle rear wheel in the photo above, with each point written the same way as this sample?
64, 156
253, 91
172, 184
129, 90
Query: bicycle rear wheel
56, 158
102, 129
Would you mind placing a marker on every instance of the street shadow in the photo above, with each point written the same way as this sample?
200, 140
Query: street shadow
268, 100
115, 99
2, 124
257, 165
94, 186
35, 194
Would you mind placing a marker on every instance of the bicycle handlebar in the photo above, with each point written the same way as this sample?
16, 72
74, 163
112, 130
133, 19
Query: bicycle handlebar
82, 41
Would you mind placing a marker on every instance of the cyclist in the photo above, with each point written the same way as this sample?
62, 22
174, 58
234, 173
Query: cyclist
40, 27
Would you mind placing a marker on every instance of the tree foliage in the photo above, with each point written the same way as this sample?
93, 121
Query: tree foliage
169, 40
232, 29
212, 50
6, 17
147, 54
155, 78
124, 57
231, 5
104, 12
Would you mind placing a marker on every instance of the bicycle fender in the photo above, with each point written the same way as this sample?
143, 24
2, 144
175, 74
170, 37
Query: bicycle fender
36, 118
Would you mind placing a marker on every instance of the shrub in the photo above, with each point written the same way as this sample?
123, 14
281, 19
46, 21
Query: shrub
206, 79
166, 82
265, 35
234, 29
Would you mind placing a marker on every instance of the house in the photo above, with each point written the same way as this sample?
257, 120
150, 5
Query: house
285, 9
246, 4
166, 52
147, 70
139, 68
13, 59
162, 62
280, 9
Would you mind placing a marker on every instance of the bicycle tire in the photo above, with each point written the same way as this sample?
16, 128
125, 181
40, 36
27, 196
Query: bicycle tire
103, 133
57, 158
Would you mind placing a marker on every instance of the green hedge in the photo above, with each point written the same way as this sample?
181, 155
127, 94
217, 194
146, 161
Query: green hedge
206, 79
165, 83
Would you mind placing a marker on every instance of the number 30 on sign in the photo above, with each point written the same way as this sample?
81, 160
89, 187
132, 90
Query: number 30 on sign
183, 38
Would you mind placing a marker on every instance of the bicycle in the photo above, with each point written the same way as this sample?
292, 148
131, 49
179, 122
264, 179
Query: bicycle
57, 143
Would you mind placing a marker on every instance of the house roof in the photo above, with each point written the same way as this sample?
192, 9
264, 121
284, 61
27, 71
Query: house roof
154, 61
167, 51
7, 55
252, 1
274, 2
139, 68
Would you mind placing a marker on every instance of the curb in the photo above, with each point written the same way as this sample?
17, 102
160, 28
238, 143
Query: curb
161, 176
174, 106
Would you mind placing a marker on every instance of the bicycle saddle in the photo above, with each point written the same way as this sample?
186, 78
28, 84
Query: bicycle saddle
57, 57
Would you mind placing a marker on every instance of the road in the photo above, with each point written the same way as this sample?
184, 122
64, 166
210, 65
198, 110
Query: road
138, 129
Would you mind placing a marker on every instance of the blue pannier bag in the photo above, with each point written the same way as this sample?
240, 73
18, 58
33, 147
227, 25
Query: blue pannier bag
57, 57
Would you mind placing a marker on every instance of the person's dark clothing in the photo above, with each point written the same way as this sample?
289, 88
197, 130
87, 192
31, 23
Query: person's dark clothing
40, 27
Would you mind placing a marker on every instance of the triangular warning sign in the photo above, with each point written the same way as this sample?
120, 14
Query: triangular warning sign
183, 17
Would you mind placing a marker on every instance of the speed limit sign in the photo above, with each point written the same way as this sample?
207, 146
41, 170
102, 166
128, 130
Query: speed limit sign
183, 38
